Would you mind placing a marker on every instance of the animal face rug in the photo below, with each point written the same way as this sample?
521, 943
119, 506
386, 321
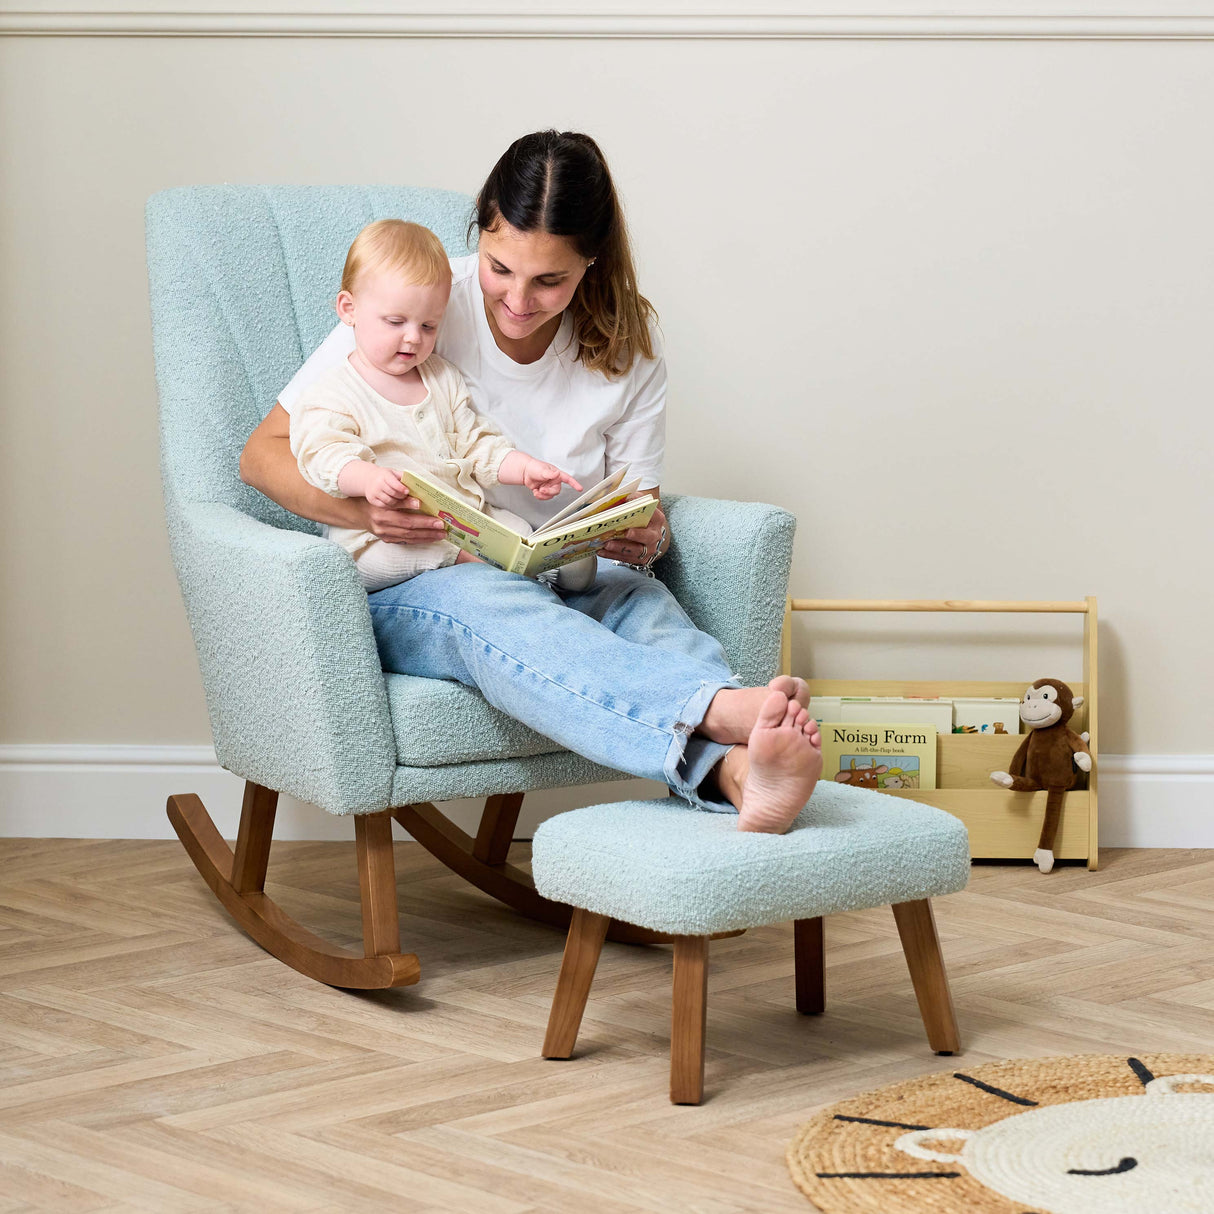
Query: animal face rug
1083, 1134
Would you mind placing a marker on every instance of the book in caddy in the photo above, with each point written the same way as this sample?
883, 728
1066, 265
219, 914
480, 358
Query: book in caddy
578, 530
884, 756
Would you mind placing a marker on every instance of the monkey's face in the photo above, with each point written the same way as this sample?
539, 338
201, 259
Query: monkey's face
1041, 706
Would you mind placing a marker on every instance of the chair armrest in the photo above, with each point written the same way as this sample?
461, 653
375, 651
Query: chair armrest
288, 659
728, 566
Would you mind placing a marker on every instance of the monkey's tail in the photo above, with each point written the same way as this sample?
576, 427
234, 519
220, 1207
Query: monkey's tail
1053, 812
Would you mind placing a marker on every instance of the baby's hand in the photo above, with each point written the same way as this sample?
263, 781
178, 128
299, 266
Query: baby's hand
545, 480
380, 486
385, 488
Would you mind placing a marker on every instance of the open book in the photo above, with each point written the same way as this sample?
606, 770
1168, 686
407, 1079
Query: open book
578, 530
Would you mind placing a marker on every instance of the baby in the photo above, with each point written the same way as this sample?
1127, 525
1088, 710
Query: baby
393, 405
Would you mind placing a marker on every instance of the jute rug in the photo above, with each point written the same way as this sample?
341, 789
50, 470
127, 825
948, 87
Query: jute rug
1082, 1134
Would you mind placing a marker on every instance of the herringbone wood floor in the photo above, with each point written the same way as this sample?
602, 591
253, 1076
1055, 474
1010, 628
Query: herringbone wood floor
153, 1058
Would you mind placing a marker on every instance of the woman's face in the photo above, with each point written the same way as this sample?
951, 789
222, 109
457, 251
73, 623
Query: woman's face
528, 279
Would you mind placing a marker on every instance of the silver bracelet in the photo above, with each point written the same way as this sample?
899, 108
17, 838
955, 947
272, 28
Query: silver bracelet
647, 568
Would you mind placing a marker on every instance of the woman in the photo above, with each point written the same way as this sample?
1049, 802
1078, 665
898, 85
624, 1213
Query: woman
559, 350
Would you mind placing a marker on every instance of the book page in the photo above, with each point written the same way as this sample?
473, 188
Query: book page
583, 537
589, 497
610, 500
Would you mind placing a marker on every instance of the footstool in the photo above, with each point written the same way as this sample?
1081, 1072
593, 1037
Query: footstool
691, 874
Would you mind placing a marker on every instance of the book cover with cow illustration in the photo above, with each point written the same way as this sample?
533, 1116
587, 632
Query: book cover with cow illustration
880, 756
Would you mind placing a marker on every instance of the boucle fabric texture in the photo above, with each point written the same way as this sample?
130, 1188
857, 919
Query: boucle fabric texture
242, 280
668, 866
728, 566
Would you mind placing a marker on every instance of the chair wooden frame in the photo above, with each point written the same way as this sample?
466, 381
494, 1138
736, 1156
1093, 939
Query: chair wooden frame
237, 878
689, 1002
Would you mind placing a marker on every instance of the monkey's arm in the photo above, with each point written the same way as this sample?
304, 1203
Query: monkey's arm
1020, 759
1013, 778
1079, 751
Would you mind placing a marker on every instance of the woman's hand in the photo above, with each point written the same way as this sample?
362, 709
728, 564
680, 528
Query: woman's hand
640, 545
400, 524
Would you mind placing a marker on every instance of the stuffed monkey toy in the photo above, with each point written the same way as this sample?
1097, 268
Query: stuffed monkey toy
1048, 757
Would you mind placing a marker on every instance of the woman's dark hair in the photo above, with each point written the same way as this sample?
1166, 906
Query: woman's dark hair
557, 182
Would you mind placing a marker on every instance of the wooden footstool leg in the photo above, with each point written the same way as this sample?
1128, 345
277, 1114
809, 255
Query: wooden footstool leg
917, 927
689, 1012
810, 966
587, 931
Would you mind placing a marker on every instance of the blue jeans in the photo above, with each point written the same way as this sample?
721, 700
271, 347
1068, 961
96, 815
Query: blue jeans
617, 673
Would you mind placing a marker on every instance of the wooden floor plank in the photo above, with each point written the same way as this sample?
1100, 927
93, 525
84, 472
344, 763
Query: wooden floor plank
153, 1058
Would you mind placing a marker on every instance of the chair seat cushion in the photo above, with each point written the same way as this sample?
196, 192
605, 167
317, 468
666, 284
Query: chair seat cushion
438, 721
668, 866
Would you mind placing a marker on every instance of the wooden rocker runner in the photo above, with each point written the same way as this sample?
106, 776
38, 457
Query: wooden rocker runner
297, 699
238, 880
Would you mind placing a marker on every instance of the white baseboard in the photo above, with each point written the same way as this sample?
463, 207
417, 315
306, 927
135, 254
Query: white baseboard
1156, 800
119, 792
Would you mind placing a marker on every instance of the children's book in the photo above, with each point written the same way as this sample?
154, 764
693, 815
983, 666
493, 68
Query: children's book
933, 711
990, 716
883, 756
579, 529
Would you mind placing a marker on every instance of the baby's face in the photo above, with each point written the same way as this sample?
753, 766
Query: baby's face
395, 322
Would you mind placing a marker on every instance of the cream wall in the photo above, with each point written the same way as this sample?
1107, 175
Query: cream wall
948, 301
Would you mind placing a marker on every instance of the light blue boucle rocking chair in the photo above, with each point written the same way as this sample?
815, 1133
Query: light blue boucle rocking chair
242, 281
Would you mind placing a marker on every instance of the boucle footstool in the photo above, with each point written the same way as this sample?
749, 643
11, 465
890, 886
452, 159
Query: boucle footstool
692, 874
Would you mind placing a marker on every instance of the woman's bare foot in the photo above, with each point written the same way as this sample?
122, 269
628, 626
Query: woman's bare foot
779, 767
793, 687
734, 710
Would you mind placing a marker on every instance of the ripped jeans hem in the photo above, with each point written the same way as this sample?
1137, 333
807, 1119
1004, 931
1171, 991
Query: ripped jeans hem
691, 756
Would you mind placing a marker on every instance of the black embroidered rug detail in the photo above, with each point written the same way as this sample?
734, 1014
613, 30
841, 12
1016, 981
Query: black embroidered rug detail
1080, 1134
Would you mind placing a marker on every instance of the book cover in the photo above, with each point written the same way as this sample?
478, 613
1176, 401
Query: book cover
882, 756
934, 711
578, 535
974, 715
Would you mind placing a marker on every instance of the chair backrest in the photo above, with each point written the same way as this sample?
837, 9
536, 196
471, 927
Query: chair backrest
242, 282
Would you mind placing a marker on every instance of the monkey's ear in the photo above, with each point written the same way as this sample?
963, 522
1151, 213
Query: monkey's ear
1076, 701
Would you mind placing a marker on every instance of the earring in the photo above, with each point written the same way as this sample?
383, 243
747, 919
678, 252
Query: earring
591, 262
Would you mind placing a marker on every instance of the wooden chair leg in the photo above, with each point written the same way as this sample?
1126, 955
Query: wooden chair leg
253, 838
587, 931
689, 1012
496, 830
917, 928
377, 883
810, 965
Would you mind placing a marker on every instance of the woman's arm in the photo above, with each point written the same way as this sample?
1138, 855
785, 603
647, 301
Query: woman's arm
267, 464
638, 439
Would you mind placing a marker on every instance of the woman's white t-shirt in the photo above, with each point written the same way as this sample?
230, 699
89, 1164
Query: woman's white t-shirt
554, 408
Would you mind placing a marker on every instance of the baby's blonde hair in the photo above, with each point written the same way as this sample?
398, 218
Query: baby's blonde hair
403, 248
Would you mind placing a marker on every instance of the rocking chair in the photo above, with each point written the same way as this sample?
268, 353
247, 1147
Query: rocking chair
241, 283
